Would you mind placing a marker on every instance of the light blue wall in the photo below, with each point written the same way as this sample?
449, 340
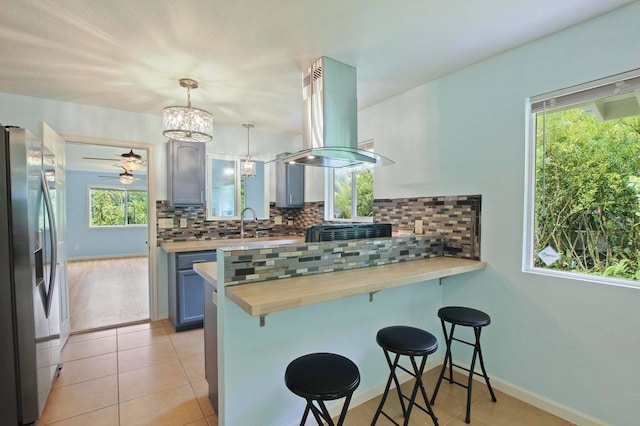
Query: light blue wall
99, 122
86, 242
574, 342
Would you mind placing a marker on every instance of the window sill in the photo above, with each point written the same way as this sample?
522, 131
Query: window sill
596, 279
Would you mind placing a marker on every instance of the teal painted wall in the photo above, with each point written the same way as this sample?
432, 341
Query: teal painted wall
573, 342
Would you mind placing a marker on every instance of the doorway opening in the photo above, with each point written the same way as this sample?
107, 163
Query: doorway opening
108, 216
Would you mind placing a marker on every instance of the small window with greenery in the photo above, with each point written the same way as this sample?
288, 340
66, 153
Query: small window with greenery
350, 193
584, 182
117, 207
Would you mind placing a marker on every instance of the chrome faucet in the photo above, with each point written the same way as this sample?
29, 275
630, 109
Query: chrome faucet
255, 217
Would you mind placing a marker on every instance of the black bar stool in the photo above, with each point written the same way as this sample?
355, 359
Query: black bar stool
465, 317
322, 377
412, 342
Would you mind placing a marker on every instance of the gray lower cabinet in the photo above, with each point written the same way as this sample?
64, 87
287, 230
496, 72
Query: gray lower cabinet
289, 184
186, 289
186, 177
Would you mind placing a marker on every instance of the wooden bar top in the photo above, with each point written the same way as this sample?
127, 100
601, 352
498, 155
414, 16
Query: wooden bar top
261, 298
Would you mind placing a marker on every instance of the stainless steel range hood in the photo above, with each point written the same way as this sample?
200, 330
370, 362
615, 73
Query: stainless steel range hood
330, 119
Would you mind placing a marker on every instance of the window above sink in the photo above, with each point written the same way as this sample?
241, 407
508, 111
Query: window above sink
228, 193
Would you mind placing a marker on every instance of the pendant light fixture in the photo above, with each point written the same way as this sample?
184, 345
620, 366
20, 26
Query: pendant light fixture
126, 178
131, 161
187, 123
248, 166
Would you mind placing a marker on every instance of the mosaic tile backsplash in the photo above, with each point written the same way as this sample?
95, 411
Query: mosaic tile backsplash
263, 264
455, 218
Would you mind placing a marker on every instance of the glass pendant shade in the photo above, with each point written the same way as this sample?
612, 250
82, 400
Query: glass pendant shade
186, 123
248, 166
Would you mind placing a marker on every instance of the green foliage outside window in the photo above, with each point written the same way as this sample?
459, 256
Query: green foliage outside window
588, 193
343, 194
118, 207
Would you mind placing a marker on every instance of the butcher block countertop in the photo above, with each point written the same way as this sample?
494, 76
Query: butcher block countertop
264, 297
201, 245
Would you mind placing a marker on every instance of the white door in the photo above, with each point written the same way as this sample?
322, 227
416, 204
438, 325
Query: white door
56, 144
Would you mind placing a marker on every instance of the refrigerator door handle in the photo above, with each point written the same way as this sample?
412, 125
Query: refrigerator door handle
53, 240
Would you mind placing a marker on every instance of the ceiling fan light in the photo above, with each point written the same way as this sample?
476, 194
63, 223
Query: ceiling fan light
126, 178
186, 123
131, 165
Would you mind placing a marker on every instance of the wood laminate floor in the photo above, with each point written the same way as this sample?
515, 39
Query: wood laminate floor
149, 375
108, 292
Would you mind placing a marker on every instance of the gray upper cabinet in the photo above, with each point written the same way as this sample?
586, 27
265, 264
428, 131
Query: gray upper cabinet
186, 183
289, 184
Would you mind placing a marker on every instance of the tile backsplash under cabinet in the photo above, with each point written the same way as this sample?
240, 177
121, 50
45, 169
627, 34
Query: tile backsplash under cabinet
455, 218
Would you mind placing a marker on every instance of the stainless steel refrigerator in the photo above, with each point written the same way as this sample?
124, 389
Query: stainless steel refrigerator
29, 311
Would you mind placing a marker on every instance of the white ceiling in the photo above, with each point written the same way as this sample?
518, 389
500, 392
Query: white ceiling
248, 55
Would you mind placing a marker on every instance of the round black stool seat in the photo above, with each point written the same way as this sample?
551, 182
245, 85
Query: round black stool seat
416, 344
322, 376
407, 340
464, 316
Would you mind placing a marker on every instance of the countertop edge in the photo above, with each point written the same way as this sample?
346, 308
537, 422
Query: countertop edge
261, 298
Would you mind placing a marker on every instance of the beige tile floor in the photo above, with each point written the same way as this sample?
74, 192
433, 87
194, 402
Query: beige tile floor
147, 374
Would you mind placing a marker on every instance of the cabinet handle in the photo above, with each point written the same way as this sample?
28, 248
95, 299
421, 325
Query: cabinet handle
199, 261
290, 198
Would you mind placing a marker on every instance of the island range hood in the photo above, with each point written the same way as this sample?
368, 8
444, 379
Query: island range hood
330, 120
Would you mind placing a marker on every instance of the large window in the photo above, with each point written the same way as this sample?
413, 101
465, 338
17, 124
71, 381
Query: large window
584, 182
350, 193
117, 207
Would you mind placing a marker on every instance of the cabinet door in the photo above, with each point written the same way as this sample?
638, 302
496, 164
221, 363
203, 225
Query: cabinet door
295, 184
190, 297
289, 185
186, 172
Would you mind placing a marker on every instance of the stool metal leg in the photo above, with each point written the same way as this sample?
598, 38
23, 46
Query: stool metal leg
448, 337
419, 385
394, 378
484, 372
448, 363
406, 410
316, 413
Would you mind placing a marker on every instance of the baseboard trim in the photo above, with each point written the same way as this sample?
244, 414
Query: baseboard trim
106, 256
545, 404
538, 401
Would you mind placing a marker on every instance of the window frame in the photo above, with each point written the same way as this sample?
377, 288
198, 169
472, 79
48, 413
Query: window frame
238, 179
561, 98
330, 187
114, 188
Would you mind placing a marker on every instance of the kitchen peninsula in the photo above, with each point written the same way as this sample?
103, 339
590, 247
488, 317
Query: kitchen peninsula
322, 297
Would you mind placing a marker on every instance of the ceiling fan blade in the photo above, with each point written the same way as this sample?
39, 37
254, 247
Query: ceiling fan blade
103, 159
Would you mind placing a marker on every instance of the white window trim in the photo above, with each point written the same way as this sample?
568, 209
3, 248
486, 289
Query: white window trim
529, 189
328, 204
114, 188
238, 181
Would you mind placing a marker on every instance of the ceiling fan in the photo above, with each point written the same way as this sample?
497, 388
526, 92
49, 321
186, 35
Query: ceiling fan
125, 178
128, 160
